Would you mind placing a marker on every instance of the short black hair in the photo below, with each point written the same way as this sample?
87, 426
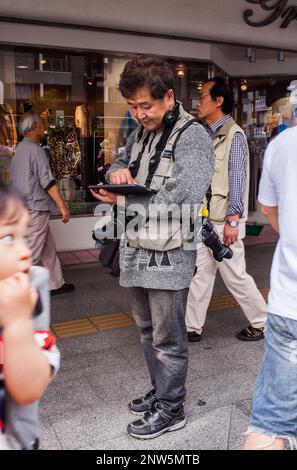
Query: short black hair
7, 194
221, 88
152, 71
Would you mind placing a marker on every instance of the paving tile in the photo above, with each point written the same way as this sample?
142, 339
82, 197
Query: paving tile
220, 389
208, 431
229, 357
85, 301
48, 438
119, 443
239, 425
124, 384
245, 406
67, 396
91, 426
73, 328
69, 258
84, 256
105, 341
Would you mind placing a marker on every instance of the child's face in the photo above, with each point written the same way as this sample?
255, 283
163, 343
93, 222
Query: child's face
15, 256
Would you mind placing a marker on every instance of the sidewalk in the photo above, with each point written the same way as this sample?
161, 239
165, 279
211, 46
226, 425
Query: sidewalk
102, 370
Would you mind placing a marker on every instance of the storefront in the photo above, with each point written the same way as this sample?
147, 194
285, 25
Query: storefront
65, 62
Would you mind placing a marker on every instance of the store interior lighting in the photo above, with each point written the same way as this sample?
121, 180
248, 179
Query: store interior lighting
199, 86
22, 66
180, 70
243, 85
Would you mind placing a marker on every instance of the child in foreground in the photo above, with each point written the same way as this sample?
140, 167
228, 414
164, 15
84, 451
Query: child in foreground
29, 357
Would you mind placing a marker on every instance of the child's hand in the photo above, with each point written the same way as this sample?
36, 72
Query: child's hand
17, 299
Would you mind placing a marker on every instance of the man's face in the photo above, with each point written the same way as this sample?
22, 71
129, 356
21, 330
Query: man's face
149, 111
39, 129
14, 252
207, 109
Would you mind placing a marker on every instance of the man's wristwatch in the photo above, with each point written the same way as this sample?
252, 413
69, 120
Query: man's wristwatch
233, 223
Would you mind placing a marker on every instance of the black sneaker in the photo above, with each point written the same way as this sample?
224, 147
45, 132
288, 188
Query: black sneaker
157, 421
141, 405
193, 337
65, 289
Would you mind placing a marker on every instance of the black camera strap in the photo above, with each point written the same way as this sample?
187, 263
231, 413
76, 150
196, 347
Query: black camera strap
155, 160
135, 165
208, 196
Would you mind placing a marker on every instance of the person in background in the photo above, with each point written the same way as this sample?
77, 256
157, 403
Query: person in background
29, 357
32, 176
227, 201
273, 424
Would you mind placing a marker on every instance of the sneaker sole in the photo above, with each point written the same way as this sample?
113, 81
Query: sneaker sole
250, 339
175, 427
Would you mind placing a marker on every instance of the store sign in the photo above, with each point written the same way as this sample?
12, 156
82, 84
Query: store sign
260, 104
276, 8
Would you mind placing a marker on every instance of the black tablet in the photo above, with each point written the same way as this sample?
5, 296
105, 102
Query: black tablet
124, 188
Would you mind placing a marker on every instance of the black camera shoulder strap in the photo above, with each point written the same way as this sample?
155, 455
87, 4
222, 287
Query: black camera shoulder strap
155, 160
134, 166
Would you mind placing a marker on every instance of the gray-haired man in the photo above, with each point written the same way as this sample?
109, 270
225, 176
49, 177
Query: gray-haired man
32, 176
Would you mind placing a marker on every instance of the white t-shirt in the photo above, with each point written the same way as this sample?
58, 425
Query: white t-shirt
278, 187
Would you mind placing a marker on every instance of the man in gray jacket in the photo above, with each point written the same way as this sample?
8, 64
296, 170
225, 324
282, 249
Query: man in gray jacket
171, 154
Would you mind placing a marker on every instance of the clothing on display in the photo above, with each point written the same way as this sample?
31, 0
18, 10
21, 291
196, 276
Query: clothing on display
65, 154
256, 150
8, 140
8, 130
89, 142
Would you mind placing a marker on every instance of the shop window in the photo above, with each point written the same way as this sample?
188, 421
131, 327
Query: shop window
88, 121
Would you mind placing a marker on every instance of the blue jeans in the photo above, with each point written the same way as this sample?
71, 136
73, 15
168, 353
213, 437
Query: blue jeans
160, 318
274, 409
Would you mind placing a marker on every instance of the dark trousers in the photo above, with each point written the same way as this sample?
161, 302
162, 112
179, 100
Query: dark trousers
160, 318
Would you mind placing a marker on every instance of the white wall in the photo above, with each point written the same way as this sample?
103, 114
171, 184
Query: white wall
220, 20
11, 33
75, 235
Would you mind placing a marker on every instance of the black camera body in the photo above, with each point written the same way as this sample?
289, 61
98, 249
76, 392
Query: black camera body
211, 239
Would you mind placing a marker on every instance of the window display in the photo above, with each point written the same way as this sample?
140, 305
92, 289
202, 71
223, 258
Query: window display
88, 122
266, 107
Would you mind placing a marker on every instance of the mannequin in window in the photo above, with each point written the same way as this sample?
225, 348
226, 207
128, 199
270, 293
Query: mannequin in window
84, 115
8, 140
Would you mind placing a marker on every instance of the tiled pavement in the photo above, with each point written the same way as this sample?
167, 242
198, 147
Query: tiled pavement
86, 405
77, 257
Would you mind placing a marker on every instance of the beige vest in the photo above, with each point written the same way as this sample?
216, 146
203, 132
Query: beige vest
165, 167
220, 182
157, 233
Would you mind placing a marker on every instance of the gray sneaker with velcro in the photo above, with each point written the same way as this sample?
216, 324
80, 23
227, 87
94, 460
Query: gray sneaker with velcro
141, 405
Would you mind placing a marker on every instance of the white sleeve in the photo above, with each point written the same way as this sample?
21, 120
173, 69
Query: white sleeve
53, 358
268, 195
